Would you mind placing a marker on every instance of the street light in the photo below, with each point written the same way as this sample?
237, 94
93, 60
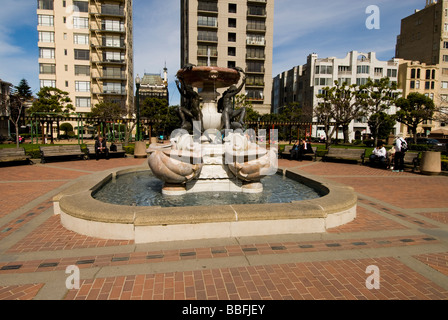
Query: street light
137, 84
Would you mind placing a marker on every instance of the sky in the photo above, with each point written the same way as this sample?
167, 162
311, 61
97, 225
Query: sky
330, 28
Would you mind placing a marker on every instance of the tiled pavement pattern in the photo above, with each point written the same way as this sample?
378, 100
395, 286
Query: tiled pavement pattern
401, 227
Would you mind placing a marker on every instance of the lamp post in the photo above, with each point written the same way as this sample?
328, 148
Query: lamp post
140, 146
137, 103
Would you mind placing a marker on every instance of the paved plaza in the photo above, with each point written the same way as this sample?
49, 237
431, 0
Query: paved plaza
401, 231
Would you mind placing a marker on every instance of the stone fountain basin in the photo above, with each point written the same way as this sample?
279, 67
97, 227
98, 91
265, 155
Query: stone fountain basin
83, 214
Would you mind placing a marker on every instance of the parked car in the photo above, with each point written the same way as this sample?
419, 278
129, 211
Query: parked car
433, 144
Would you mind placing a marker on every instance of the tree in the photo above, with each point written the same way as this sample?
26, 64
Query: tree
67, 128
378, 97
414, 109
110, 110
23, 90
346, 103
161, 115
51, 100
383, 123
19, 96
324, 114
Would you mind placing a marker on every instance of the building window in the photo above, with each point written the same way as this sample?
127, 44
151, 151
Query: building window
113, 41
413, 84
361, 81
113, 56
255, 39
112, 25
46, 68
324, 69
206, 21
82, 70
255, 67
413, 73
48, 83
232, 37
392, 73
113, 87
82, 54
46, 53
323, 81
232, 8
231, 51
83, 102
46, 36
83, 6
257, 53
232, 23
82, 86
363, 69
80, 23
204, 51
45, 20
45, 4
79, 38
207, 36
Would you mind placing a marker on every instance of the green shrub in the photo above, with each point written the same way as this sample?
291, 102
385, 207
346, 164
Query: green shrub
444, 165
129, 149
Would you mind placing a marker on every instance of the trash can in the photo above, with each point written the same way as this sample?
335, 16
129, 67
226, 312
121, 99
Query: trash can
140, 150
431, 163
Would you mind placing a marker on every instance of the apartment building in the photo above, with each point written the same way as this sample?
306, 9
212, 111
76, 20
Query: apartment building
302, 84
85, 48
423, 44
415, 76
232, 33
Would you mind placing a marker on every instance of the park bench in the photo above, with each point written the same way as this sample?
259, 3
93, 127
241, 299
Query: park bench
69, 151
286, 154
119, 153
14, 155
345, 154
412, 159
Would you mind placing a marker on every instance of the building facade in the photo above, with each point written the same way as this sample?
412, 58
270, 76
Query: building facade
302, 84
423, 44
153, 85
86, 49
232, 33
422, 78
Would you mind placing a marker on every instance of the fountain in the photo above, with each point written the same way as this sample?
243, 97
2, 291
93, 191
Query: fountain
218, 156
210, 152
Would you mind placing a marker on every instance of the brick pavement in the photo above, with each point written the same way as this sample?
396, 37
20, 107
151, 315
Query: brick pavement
407, 241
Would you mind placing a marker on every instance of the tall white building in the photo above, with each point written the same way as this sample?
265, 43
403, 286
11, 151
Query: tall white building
303, 83
85, 48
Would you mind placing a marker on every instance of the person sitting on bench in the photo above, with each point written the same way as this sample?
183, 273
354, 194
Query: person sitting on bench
305, 148
378, 155
101, 148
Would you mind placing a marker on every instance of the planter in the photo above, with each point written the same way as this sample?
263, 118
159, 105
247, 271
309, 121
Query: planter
431, 163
